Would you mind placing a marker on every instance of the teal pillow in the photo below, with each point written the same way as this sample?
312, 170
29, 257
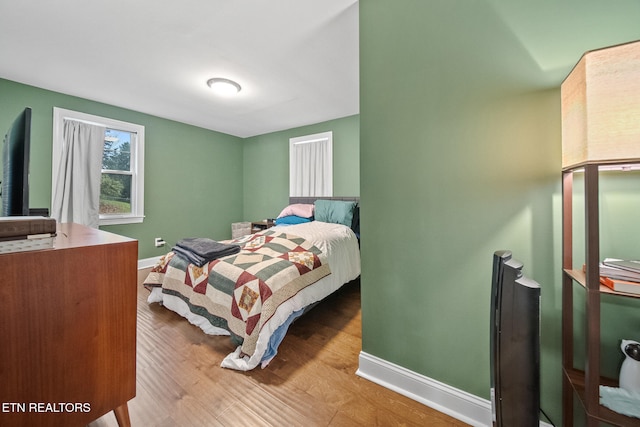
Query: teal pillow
335, 211
291, 219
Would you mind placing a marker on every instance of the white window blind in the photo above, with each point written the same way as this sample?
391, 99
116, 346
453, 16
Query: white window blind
311, 165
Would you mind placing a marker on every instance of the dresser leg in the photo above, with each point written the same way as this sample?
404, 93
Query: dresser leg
122, 415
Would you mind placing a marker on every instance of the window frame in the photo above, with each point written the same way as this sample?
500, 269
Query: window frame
309, 139
137, 159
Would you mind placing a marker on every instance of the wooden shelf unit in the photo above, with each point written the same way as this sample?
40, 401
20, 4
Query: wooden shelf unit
585, 384
68, 324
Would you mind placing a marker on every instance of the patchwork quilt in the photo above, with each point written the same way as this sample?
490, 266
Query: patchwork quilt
240, 293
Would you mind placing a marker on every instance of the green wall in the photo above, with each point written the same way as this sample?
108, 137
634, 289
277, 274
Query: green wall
460, 157
193, 176
266, 165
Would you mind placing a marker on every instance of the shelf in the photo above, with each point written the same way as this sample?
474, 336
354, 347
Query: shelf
576, 378
579, 277
608, 165
575, 382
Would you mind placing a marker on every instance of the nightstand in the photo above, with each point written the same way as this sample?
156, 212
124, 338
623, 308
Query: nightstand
261, 225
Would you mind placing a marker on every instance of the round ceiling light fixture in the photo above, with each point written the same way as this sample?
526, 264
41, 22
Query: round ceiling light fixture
223, 87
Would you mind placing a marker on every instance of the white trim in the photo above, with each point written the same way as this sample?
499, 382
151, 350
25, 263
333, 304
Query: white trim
316, 137
120, 219
303, 140
148, 262
456, 403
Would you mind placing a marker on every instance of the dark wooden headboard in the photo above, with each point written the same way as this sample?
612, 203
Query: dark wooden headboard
310, 200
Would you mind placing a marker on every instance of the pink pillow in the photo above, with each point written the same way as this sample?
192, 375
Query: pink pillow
298, 209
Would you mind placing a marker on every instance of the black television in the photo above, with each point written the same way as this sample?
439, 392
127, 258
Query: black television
515, 344
14, 187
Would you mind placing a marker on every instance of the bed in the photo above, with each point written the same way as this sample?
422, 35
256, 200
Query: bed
274, 276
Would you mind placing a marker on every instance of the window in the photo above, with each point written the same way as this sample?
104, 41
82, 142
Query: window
311, 165
122, 182
117, 174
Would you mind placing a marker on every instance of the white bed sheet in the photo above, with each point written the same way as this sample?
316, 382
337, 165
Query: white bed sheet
338, 242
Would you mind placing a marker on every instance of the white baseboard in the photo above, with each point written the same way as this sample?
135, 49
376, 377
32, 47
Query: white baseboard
147, 262
456, 403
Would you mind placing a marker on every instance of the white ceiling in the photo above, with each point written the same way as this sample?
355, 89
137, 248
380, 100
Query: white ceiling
297, 60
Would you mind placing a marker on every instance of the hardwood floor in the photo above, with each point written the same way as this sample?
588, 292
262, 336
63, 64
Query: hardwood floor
311, 382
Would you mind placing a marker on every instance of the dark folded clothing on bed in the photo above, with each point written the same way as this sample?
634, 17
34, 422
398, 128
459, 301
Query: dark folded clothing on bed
206, 247
200, 250
189, 256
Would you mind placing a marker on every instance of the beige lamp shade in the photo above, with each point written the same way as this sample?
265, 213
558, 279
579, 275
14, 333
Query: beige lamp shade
601, 108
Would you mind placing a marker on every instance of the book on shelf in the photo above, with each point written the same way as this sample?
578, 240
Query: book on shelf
609, 268
31, 243
19, 227
26, 236
617, 285
623, 264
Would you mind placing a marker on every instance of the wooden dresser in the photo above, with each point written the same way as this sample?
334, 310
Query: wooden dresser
68, 330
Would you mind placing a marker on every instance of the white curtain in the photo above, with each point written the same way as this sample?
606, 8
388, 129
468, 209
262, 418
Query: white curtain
76, 191
312, 170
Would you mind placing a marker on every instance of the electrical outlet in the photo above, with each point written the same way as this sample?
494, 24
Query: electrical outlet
159, 242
